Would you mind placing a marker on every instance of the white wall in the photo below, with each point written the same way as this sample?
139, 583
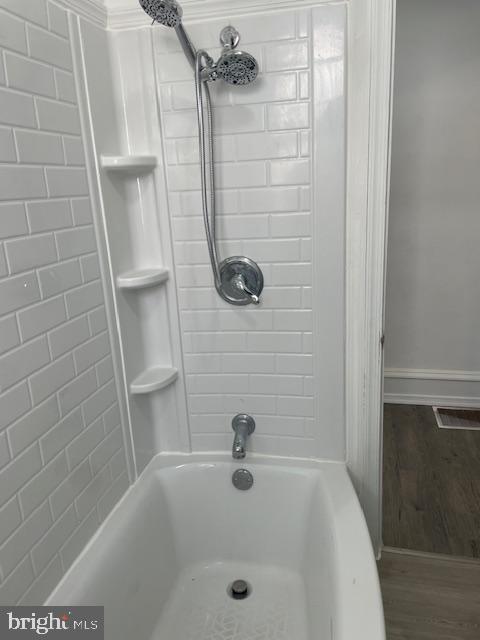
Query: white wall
62, 457
433, 302
280, 152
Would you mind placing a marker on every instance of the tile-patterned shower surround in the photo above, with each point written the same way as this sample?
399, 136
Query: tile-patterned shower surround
62, 459
249, 359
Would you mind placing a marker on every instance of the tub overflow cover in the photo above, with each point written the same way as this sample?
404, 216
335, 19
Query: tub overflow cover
242, 479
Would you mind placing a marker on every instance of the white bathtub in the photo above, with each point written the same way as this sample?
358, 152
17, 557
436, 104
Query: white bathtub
162, 562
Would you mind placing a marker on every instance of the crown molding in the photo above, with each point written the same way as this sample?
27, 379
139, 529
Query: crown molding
93, 10
127, 14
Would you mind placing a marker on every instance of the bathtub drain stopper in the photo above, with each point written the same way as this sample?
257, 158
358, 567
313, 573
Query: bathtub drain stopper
239, 589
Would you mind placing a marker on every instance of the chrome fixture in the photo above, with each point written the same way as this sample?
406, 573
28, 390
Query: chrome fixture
239, 589
167, 12
241, 281
235, 67
238, 280
229, 38
244, 426
242, 479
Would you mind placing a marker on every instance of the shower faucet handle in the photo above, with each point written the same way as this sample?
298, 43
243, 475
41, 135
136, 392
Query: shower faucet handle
239, 282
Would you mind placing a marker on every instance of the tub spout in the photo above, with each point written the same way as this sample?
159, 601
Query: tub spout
239, 443
243, 425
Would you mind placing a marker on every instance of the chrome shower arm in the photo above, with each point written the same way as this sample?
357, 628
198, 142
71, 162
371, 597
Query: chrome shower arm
207, 176
187, 45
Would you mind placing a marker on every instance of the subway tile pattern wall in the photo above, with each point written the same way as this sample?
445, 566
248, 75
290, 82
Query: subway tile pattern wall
255, 360
62, 457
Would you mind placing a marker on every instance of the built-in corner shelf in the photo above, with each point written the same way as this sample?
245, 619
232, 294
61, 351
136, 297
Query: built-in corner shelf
142, 278
153, 379
130, 165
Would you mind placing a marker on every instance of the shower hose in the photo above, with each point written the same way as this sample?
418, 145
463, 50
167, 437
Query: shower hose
205, 141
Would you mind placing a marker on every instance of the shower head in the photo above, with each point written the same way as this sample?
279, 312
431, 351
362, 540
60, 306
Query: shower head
237, 67
167, 12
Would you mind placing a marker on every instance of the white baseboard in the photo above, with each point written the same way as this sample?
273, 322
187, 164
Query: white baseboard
432, 387
442, 401
433, 374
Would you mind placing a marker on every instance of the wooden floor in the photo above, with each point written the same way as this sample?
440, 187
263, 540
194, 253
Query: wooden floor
431, 495
430, 598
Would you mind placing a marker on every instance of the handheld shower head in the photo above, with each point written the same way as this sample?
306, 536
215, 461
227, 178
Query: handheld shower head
237, 67
167, 12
